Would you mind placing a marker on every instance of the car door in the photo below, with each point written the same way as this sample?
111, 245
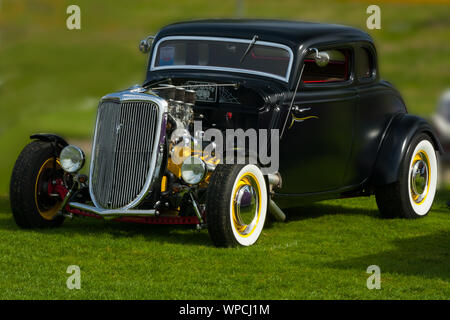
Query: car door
316, 145
377, 105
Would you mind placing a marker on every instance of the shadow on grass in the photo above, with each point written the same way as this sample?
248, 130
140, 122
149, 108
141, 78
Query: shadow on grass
425, 256
177, 234
94, 227
317, 210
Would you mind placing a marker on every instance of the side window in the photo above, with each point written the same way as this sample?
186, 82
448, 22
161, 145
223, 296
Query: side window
365, 64
337, 70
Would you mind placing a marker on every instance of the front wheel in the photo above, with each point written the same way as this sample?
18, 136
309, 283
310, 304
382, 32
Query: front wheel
413, 194
236, 205
31, 204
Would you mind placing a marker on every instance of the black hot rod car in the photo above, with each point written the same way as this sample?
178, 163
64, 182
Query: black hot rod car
340, 131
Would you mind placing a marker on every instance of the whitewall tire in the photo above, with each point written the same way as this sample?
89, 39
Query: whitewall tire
236, 205
422, 181
413, 194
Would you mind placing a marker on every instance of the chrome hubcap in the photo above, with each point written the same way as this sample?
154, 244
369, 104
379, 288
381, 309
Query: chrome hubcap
246, 206
419, 178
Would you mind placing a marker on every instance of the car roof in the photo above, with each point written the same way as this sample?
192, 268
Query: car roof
291, 33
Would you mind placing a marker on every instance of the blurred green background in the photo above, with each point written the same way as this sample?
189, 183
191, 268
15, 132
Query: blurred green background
51, 78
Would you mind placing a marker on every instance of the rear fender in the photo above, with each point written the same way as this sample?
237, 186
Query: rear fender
395, 146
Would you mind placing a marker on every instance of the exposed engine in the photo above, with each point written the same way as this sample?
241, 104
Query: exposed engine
181, 104
217, 105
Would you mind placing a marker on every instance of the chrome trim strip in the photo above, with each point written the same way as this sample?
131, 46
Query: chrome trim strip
112, 212
223, 39
129, 96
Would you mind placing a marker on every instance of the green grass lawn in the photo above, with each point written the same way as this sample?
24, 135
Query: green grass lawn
322, 252
51, 80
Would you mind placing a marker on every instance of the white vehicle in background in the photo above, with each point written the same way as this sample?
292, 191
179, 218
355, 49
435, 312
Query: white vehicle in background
441, 122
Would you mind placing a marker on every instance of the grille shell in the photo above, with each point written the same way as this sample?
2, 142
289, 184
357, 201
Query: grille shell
126, 153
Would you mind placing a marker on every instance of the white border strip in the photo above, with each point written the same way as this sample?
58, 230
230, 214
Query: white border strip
260, 73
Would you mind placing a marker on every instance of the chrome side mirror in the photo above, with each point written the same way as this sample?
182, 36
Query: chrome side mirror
146, 44
322, 58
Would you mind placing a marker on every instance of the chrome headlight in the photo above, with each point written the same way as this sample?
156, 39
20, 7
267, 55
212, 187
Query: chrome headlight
72, 159
193, 170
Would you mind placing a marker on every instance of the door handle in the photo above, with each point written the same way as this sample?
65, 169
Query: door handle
297, 109
297, 117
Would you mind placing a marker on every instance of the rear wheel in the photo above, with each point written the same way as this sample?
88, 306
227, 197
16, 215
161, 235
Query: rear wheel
236, 205
412, 196
31, 204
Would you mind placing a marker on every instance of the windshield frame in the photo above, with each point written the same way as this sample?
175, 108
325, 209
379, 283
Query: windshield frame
224, 39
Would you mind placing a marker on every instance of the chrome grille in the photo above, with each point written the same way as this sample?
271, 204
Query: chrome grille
124, 143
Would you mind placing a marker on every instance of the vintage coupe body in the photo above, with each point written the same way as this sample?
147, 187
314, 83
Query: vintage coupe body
340, 131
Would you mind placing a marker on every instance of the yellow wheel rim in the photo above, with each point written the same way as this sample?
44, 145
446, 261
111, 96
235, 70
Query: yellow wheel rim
46, 212
420, 177
246, 207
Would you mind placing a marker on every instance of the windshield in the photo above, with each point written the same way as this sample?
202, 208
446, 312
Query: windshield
264, 58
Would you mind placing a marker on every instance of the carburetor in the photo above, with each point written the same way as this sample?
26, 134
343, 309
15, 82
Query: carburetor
181, 103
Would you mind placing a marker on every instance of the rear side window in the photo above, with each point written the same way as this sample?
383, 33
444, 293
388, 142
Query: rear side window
365, 64
337, 70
